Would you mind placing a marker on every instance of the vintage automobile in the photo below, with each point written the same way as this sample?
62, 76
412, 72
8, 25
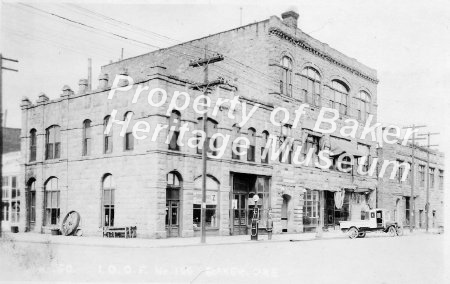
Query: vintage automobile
375, 220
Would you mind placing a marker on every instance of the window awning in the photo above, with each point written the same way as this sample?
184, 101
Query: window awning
339, 146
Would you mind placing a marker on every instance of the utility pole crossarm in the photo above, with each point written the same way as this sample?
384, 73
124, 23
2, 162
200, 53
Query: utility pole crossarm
206, 60
9, 69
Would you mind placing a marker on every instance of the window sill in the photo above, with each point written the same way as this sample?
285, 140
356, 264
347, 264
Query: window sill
207, 229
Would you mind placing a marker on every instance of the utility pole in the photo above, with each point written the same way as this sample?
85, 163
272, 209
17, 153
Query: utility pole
1, 129
427, 204
412, 202
206, 89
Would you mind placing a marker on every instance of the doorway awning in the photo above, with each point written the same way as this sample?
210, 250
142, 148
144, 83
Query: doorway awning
339, 146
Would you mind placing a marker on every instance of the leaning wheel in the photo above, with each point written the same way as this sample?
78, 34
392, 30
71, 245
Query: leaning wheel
353, 233
70, 223
392, 231
361, 234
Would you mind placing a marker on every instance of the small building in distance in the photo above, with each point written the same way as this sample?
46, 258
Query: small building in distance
395, 194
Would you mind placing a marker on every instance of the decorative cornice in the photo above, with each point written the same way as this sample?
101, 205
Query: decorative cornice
304, 45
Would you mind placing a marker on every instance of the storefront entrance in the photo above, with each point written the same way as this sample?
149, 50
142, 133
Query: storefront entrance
173, 205
245, 186
334, 215
172, 218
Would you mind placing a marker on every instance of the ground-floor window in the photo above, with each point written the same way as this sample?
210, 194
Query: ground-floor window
5, 211
406, 222
15, 211
211, 212
311, 210
52, 206
108, 200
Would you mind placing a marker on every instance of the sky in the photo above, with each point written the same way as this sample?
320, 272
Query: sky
405, 41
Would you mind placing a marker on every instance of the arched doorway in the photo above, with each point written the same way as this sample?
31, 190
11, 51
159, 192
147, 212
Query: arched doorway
173, 204
30, 196
285, 213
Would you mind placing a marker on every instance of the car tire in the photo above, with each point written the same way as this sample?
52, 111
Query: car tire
353, 233
362, 234
392, 231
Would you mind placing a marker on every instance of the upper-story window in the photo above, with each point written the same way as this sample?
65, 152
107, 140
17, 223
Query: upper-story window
422, 175
174, 122
340, 96
286, 133
265, 139
87, 136
251, 149
107, 137
236, 132
363, 105
211, 130
53, 142
286, 76
128, 139
431, 176
311, 86
33, 142
441, 179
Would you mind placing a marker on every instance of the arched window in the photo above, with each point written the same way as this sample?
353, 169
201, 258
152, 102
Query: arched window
128, 139
33, 142
311, 86
52, 202
174, 123
286, 76
211, 130
286, 136
265, 139
363, 105
108, 200
53, 142
340, 96
212, 195
235, 134
251, 149
107, 136
87, 136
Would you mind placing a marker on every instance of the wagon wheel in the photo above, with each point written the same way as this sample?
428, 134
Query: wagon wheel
392, 231
70, 223
362, 234
353, 233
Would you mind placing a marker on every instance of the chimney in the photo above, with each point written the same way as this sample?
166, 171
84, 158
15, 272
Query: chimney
83, 86
25, 103
42, 98
290, 18
103, 81
67, 91
124, 72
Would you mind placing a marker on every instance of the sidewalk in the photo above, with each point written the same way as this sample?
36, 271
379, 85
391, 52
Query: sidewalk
176, 242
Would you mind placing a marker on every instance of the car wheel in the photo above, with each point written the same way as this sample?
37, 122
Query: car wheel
392, 231
353, 233
361, 234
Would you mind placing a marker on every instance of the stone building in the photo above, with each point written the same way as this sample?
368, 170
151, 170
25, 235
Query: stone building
395, 194
113, 180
